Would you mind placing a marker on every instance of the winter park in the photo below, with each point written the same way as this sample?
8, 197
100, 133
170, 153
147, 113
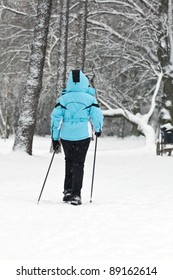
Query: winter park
86, 138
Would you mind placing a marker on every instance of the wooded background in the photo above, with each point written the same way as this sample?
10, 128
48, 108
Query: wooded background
122, 46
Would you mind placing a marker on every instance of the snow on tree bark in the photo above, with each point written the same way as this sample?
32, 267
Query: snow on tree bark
82, 29
27, 119
165, 56
62, 51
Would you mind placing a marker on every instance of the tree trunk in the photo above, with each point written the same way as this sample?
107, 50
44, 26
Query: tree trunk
27, 119
82, 30
62, 50
165, 56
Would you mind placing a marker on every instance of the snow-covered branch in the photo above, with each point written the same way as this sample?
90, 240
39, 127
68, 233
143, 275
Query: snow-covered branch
149, 5
136, 7
2, 6
114, 12
153, 101
113, 32
140, 120
113, 2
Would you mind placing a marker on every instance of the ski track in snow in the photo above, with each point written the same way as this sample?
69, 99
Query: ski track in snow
131, 216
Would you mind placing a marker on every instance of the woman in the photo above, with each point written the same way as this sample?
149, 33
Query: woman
72, 119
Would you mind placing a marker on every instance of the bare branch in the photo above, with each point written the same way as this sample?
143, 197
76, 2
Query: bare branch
149, 5
126, 40
15, 11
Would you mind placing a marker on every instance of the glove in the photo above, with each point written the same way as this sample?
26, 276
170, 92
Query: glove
98, 133
55, 144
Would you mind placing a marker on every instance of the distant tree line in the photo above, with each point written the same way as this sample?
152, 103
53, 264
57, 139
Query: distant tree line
125, 48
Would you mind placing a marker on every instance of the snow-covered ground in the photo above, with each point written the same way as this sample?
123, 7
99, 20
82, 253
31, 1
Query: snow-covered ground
131, 216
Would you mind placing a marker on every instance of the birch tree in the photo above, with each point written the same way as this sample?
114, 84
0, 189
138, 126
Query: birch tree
27, 119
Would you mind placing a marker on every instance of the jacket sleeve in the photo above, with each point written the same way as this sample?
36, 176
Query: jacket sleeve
96, 116
56, 121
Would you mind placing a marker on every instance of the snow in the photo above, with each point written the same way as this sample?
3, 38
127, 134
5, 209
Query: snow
165, 114
131, 216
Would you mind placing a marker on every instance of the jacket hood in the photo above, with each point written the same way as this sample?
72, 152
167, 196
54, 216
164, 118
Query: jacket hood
78, 82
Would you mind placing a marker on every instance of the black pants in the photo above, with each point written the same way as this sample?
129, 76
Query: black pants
75, 154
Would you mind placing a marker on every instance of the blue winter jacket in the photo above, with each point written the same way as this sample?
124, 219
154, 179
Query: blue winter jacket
76, 111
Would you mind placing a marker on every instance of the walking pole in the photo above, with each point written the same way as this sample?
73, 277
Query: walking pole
46, 176
93, 170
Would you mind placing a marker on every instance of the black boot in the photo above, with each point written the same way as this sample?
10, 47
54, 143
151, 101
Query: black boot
76, 200
67, 195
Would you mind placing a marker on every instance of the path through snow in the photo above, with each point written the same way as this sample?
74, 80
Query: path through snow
131, 216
